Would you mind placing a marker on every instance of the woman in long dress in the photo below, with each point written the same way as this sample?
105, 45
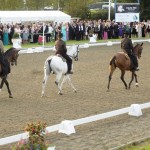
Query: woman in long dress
105, 35
120, 30
5, 35
63, 30
139, 30
25, 36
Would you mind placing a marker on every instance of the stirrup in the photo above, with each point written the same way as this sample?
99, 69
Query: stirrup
69, 72
137, 69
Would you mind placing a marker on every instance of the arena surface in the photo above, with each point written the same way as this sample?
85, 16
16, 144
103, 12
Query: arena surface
90, 79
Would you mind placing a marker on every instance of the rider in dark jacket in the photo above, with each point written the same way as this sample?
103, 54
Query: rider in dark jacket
61, 49
127, 46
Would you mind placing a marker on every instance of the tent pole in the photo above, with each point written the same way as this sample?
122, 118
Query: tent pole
43, 36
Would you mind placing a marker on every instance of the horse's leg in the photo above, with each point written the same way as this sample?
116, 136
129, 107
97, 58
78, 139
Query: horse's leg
2, 83
112, 69
69, 81
44, 83
132, 77
122, 78
57, 82
4, 80
136, 81
7, 84
63, 81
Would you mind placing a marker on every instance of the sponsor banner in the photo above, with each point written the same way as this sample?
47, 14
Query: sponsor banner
127, 8
127, 17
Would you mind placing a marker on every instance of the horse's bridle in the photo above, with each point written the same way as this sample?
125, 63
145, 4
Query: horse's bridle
139, 52
77, 54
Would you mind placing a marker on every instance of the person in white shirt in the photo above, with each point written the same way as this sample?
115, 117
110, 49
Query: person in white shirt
50, 32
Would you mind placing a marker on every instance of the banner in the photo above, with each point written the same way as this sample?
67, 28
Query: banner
126, 12
127, 17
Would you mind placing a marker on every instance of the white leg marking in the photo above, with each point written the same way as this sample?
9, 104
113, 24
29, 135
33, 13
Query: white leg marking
136, 84
44, 84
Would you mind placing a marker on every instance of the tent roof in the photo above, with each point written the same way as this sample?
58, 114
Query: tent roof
22, 16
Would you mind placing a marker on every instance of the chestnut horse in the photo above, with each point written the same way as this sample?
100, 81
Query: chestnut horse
11, 55
123, 62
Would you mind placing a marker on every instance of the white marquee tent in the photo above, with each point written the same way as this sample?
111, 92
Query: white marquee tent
24, 16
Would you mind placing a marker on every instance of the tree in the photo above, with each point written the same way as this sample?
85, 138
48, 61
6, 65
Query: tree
145, 9
11, 4
75, 8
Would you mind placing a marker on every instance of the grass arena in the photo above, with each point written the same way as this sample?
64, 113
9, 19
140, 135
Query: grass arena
90, 79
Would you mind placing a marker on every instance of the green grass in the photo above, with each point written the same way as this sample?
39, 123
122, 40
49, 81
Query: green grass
29, 45
143, 145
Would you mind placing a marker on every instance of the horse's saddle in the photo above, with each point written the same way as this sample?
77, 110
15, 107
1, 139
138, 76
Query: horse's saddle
129, 60
63, 59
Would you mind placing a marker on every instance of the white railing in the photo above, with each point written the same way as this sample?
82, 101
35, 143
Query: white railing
86, 45
15, 138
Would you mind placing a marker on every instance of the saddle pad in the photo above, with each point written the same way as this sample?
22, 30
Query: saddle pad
63, 59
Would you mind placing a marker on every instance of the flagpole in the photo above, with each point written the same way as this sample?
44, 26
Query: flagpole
109, 10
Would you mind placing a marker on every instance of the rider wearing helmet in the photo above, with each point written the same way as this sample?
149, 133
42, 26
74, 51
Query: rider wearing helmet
61, 49
127, 47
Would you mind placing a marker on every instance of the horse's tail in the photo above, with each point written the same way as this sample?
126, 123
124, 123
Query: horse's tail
112, 62
48, 64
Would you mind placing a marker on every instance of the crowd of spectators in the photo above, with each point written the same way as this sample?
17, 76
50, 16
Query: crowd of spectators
75, 30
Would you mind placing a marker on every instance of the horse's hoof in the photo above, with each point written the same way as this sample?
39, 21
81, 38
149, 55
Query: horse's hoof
0, 90
10, 96
75, 91
108, 90
60, 93
136, 84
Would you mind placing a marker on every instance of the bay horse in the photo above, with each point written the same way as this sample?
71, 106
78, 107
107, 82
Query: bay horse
58, 66
11, 55
123, 62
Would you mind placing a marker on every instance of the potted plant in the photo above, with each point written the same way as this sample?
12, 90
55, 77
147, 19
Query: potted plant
16, 40
16, 35
36, 140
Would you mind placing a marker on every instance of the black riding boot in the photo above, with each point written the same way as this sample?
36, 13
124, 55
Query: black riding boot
135, 62
69, 68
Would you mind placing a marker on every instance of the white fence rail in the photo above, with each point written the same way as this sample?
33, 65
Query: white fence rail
15, 138
86, 45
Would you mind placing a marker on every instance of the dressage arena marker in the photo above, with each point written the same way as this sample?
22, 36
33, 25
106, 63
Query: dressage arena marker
16, 138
